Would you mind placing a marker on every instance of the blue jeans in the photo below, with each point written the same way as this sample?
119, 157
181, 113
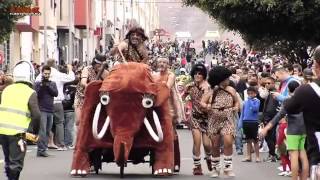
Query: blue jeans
45, 128
58, 120
69, 128
238, 140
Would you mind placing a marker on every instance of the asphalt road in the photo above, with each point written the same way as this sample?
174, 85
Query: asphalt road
57, 166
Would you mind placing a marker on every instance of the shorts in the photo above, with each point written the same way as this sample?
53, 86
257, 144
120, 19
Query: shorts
296, 142
250, 130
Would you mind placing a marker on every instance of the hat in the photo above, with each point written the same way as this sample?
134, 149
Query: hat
217, 75
183, 70
99, 58
307, 73
138, 30
24, 71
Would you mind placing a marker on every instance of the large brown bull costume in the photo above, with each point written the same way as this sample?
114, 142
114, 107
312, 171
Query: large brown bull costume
123, 117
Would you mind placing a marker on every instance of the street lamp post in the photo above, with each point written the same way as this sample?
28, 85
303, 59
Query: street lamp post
123, 19
70, 51
45, 32
88, 30
131, 10
103, 26
114, 17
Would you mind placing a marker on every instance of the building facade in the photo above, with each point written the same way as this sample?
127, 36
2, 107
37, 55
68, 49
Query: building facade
75, 29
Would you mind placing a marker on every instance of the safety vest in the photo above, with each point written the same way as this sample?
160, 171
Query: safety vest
15, 116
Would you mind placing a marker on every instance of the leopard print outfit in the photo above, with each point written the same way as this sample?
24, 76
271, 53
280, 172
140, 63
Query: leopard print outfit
131, 54
199, 118
79, 96
221, 115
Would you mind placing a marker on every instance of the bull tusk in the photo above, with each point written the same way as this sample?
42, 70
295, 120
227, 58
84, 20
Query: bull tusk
159, 137
95, 124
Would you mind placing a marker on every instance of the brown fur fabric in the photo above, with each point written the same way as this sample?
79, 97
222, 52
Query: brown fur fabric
126, 85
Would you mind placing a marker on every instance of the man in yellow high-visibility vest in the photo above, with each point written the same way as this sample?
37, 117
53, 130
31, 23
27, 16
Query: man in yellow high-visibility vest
18, 110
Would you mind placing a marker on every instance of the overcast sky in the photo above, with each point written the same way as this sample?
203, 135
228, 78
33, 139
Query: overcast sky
174, 17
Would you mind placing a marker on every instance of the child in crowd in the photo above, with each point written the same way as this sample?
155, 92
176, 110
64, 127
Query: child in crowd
282, 148
296, 136
249, 121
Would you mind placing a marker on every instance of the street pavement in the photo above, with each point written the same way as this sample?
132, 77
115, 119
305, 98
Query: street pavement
57, 166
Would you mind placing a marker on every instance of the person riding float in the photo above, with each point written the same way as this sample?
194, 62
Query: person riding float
132, 48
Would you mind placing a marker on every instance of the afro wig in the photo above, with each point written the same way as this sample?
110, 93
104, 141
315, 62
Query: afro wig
217, 75
199, 68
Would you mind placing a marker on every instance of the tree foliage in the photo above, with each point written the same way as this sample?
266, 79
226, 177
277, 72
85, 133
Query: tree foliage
7, 21
268, 22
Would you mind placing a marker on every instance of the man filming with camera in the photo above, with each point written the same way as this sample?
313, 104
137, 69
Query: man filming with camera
46, 91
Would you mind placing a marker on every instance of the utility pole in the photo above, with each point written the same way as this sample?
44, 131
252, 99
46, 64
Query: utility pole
88, 30
123, 19
114, 18
45, 32
131, 11
138, 7
70, 50
103, 2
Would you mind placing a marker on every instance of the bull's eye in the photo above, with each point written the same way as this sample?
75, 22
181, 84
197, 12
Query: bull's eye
104, 99
147, 102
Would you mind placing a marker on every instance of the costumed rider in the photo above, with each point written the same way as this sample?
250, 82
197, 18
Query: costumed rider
18, 110
132, 48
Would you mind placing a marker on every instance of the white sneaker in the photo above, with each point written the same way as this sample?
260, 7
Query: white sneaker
283, 173
280, 168
289, 174
215, 173
229, 173
71, 147
62, 149
263, 150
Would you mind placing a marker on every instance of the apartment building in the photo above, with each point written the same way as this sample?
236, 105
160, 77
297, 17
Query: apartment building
69, 29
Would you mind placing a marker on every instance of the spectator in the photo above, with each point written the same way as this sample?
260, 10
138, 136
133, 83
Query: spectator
69, 90
306, 99
58, 117
282, 74
249, 121
307, 76
269, 111
295, 137
46, 91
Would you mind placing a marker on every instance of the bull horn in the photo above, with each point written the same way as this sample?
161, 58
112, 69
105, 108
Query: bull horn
95, 124
159, 137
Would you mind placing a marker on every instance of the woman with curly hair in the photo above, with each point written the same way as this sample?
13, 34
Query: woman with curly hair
199, 118
221, 103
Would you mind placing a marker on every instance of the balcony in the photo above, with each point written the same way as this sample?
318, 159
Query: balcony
80, 13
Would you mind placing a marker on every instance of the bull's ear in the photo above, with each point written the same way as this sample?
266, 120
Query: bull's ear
162, 95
